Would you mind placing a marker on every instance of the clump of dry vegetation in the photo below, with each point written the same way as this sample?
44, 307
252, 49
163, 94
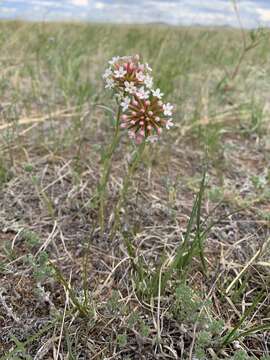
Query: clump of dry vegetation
186, 273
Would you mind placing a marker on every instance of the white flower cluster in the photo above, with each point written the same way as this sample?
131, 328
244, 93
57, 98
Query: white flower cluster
131, 81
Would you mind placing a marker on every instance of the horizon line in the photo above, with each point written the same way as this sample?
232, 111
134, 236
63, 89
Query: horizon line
151, 23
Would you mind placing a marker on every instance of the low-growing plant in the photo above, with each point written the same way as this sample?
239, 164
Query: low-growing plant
140, 111
39, 264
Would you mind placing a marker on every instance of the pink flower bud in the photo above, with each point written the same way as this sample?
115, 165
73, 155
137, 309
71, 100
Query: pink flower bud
124, 117
159, 131
123, 125
135, 103
147, 103
132, 122
149, 127
141, 123
157, 119
142, 132
150, 113
134, 113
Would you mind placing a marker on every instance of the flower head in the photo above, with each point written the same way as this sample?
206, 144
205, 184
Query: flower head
125, 103
142, 93
145, 118
157, 93
148, 81
130, 87
108, 73
128, 74
114, 60
109, 83
167, 108
169, 124
120, 72
140, 76
144, 114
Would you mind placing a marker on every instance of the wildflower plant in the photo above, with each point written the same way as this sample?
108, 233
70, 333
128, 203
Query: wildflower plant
141, 112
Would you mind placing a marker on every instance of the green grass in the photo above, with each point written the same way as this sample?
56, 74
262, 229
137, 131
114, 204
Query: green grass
180, 266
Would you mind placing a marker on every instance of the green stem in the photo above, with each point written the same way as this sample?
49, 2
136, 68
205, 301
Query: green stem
84, 312
126, 183
107, 164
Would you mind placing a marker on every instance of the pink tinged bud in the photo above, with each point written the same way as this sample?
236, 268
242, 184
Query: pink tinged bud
157, 119
141, 123
123, 125
142, 117
126, 65
149, 127
159, 131
135, 103
150, 113
147, 103
133, 122
131, 66
142, 132
124, 117
142, 110
134, 113
141, 67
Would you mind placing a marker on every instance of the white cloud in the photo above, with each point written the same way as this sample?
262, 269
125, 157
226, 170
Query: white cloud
79, 2
194, 5
44, 3
187, 12
99, 5
264, 14
8, 10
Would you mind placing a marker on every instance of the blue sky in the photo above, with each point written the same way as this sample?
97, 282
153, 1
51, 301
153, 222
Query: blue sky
184, 12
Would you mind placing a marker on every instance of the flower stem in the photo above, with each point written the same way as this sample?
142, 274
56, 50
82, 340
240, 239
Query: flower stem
107, 164
126, 183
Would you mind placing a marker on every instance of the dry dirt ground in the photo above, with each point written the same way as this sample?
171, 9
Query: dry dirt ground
61, 226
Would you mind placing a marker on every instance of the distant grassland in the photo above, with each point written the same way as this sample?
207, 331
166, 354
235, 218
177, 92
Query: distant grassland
215, 76
48, 65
